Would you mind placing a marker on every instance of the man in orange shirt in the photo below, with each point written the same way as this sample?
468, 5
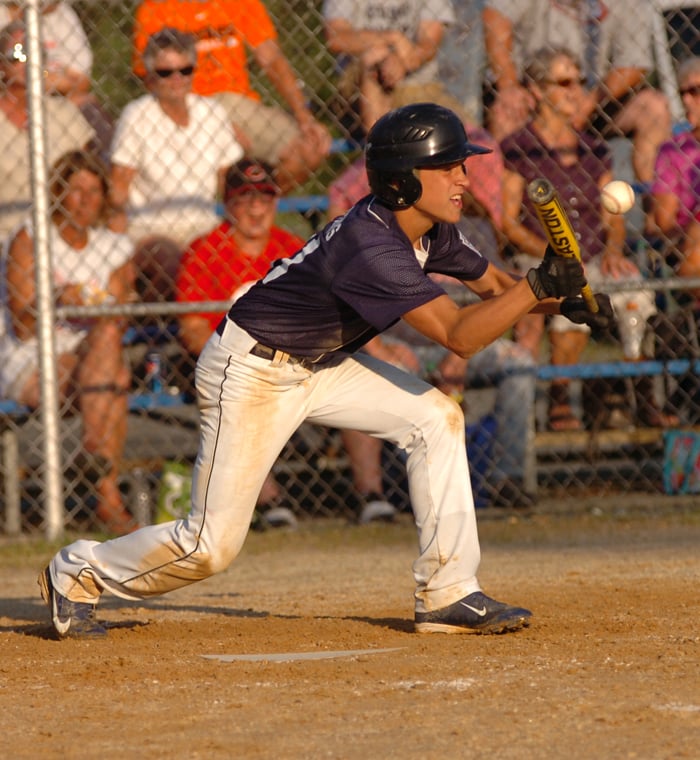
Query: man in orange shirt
295, 143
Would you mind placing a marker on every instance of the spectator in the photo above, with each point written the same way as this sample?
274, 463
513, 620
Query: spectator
66, 129
578, 165
226, 261
91, 265
384, 48
616, 100
677, 171
67, 63
170, 153
224, 30
676, 196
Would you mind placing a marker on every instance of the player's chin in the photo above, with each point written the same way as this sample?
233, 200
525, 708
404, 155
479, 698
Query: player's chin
453, 211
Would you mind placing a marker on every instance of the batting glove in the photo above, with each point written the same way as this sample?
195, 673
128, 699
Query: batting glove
556, 276
576, 310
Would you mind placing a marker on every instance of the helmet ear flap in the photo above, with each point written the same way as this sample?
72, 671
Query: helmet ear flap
397, 189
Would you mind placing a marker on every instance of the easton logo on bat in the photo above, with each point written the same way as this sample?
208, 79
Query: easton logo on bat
554, 225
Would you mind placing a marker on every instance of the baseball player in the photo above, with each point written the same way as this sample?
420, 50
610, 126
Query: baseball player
286, 352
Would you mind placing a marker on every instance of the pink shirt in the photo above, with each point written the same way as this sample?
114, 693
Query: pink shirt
677, 172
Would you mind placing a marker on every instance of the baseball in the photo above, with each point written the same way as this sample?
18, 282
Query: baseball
618, 197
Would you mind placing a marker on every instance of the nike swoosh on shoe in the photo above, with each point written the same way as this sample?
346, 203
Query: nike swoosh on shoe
480, 612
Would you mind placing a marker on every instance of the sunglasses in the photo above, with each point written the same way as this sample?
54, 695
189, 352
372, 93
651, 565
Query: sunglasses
185, 71
692, 89
568, 82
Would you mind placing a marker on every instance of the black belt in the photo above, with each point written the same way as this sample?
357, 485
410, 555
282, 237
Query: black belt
266, 352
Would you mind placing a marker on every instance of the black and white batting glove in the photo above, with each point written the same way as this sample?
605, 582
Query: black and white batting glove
556, 276
576, 310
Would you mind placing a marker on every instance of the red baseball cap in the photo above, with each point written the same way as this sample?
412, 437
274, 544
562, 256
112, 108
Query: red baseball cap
248, 174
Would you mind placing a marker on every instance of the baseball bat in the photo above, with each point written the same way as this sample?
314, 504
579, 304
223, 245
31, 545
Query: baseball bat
557, 227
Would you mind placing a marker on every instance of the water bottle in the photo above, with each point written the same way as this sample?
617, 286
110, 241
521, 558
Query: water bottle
632, 327
154, 372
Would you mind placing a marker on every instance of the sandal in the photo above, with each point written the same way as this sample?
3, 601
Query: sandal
562, 419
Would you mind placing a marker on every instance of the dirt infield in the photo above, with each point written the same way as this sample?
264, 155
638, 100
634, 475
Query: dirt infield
609, 668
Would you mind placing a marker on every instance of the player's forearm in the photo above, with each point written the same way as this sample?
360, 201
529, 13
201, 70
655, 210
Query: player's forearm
478, 325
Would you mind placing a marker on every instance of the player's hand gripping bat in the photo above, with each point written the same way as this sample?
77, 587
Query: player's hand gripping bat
557, 227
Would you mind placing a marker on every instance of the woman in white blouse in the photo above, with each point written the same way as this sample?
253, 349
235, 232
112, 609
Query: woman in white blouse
169, 156
91, 265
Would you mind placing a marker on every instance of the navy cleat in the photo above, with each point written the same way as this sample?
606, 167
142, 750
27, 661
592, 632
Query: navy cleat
476, 613
71, 620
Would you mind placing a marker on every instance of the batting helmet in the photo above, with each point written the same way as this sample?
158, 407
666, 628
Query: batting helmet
415, 136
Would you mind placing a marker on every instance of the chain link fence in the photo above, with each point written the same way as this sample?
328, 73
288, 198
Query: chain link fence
129, 411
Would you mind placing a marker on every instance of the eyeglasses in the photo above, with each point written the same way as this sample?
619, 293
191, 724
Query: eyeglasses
691, 89
567, 82
185, 71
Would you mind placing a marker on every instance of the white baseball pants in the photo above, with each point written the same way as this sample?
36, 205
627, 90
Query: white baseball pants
249, 408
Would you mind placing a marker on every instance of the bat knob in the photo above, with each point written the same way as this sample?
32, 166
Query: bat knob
540, 190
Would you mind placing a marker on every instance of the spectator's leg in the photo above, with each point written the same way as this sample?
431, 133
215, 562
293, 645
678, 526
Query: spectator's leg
567, 347
365, 454
528, 333
103, 379
270, 491
512, 370
156, 260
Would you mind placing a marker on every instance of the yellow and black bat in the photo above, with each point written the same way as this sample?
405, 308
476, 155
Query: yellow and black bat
557, 227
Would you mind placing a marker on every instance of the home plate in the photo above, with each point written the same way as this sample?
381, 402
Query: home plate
292, 656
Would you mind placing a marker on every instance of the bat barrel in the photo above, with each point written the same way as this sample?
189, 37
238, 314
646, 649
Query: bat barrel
557, 227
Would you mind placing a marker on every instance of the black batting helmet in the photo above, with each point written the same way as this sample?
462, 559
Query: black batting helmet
415, 136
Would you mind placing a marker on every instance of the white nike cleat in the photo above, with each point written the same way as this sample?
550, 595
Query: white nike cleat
476, 613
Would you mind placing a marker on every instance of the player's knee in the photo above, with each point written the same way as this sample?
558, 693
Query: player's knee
444, 413
215, 560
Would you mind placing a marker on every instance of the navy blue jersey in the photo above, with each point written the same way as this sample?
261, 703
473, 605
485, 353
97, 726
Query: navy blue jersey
350, 282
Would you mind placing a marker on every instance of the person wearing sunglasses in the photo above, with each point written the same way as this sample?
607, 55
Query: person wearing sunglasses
66, 128
613, 41
290, 138
578, 165
169, 156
